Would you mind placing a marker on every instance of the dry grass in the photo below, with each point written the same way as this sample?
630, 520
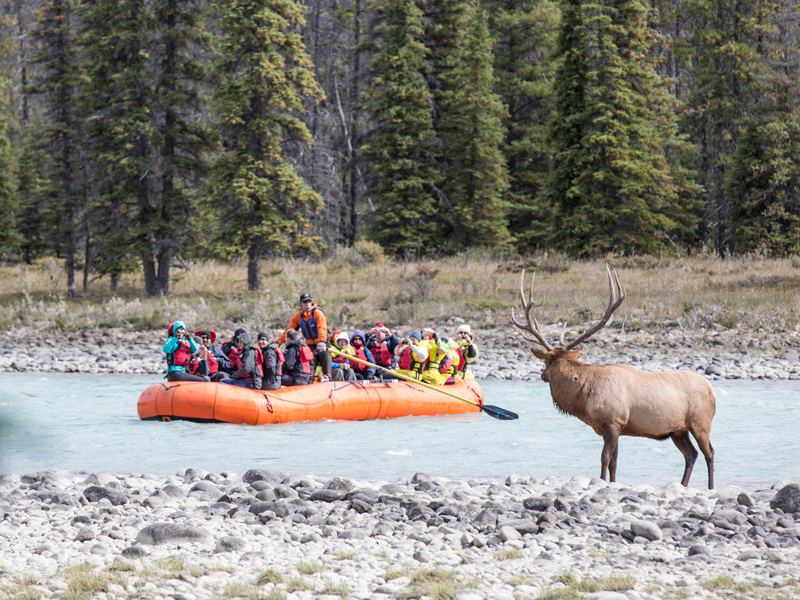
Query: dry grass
690, 294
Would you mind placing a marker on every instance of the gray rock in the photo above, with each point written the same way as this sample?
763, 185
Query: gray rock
85, 534
787, 499
354, 534
700, 549
259, 507
173, 491
646, 529
537, 503
271, 477
165, 533
484, 520
749, 555
339, 484
523, 526
327, 495
360, 506
382, 528
267, 516
745, 499
284, 491
266, 495
230, 544
260, 485
715, 370
95, 493
508, 534
421, 556
134, 552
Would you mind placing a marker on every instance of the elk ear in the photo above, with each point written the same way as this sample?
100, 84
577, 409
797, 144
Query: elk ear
540, 354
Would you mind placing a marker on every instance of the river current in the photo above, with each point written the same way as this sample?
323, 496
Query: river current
88, 423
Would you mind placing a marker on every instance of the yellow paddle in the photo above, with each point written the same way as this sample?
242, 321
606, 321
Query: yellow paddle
492, 411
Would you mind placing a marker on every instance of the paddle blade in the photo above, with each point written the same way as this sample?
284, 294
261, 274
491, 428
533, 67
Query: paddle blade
499, 413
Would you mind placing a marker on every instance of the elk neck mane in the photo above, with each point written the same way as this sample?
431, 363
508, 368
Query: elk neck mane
570, 383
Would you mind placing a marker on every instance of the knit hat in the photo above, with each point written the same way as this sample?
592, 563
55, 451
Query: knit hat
237, 332
359, 334
262, 336
464, 329
305, 297
416, 334
379, 324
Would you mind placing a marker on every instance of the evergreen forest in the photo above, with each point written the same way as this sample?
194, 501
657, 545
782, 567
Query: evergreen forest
136, 135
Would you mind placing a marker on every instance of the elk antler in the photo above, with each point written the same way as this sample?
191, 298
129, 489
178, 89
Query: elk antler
532, 326
615, 287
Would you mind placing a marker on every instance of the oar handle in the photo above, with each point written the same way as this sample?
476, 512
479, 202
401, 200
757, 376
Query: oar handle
400, 376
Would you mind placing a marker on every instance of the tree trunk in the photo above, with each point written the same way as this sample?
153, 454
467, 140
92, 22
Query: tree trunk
87, 260
254, 263
353, 146
164, 255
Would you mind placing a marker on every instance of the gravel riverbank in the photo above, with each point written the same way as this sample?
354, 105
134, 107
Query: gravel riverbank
264, 534
717, 353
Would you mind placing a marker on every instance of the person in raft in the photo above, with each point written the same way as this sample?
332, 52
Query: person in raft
231, 351
249, 364
467, 352
311, 320
342, 369
297, 367
273, 362
382, 344
203, 364
411, 357
209, 338
360, 351
179, 349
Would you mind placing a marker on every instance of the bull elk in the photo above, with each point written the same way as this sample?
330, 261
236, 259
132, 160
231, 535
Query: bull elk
617, 400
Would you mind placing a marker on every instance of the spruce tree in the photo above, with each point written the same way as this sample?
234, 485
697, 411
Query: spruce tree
264, 78
182, 137
118, 101
9, 236
59, 77
401, 149
34, 221
615, 185
472, 116
525, 37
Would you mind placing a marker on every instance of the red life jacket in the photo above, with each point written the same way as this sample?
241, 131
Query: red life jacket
213, 365
382, 355
342, 360
357, 366
182, 355
462, 360
259, 362
407, 362
303, 363
234, 355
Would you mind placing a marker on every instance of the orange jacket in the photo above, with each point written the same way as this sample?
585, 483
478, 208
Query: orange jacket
319, 318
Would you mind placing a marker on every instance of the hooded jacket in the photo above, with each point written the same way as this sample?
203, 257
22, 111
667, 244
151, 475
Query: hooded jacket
249, 360
173, 344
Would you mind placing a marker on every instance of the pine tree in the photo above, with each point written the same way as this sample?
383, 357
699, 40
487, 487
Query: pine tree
182, 138
9, 236
525, 34
472, 117
265, 76
35, 218
59, 77
401, 149
118, 101
615, 185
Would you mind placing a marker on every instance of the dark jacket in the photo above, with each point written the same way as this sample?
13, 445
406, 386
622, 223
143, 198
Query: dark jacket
392, 342
249, 359
293, 365
272, 373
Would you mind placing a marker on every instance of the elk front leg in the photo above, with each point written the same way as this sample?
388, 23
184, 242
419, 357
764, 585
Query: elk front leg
609, 455
684, 444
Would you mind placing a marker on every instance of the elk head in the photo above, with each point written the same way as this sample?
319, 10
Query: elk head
551, 355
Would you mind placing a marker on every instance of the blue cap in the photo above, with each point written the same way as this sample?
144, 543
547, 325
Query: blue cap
416, 334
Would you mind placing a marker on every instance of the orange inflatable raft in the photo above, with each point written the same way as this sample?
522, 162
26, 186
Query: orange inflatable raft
359, 401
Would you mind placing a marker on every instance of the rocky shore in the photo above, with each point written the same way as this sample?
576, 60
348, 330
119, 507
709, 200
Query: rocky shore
716, 353
270, 535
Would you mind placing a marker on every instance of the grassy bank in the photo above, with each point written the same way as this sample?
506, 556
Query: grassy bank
692, 294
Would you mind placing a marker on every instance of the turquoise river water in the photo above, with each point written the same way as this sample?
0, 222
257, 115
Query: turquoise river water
88, 423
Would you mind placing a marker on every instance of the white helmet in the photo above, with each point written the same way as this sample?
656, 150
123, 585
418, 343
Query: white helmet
342, 336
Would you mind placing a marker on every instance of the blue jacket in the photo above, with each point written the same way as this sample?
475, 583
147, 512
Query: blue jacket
172, 345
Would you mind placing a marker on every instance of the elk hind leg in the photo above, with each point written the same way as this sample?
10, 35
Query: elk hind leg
609, 456
707, 449
684, 444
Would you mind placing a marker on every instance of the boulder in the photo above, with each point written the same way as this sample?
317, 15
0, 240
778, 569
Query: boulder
787, 499
646, 529
508, 534
174, 533
339, 484
537, 503
270, 477
230, 544
134, 552
327, 495
95, 493
523, 526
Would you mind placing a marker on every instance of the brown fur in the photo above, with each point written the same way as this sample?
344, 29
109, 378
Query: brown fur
619, 400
